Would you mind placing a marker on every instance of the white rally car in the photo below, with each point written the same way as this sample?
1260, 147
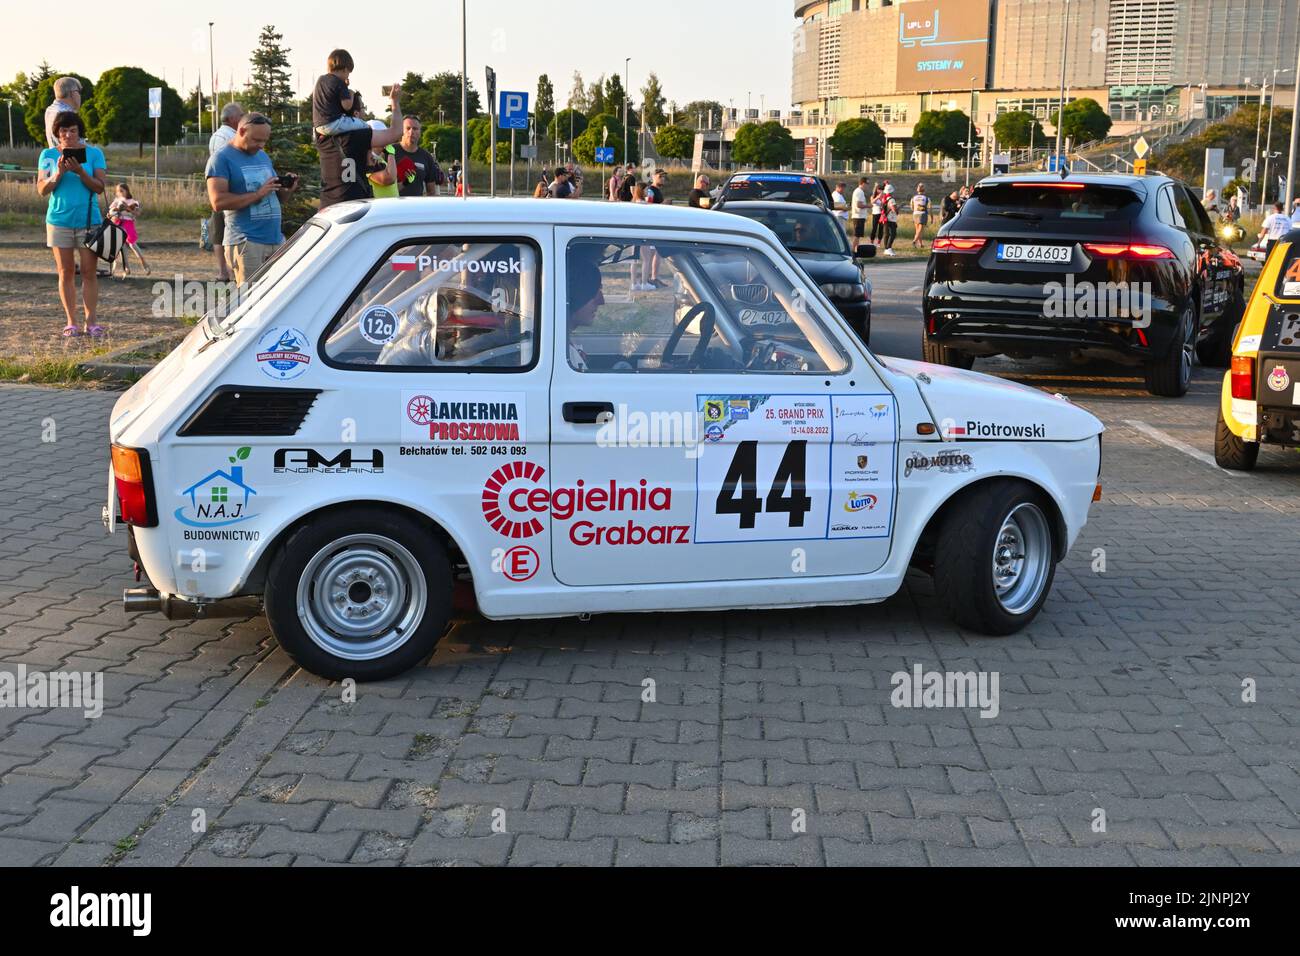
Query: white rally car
561, 403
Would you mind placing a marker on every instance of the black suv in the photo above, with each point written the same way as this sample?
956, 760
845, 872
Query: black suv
775, 187
1126, 268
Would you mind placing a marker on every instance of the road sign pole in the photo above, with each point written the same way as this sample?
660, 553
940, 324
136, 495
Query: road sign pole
155, 148
512, 161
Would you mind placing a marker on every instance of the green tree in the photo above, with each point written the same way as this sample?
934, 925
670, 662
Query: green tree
584, 147
695, 114
614, 96
16, 93
1017, 129
613, 121
857, 140
559, 128
1084, 121
596, 100
652, 102
578, 94
480, 136
942, 132
675, 142
42, 95
443, 141
269, 90
442, 91
544, 105
763, 144
119, 111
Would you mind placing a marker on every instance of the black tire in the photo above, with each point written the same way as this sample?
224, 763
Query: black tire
1171, 375
1232, 452
968, 547
396, 565
938, 354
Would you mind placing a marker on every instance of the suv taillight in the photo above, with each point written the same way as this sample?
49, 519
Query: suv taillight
1243, 377
957, 244
1125, 250
134, 480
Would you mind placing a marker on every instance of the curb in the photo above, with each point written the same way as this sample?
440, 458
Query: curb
104, 368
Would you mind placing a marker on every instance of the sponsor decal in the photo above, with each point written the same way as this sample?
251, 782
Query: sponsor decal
859, 502
713, 433
739, 408
948, 462
714, 410
221, 497
878, 411
464, 417
307, 461
862, 462
1278, 379
378, 325
999, 430
282, 354
520, 563
405, 263
514, 496
435, 264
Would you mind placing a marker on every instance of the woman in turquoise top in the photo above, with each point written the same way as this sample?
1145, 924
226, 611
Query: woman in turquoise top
72, 185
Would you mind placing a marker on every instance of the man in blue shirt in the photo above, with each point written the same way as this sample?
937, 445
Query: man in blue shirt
243, 184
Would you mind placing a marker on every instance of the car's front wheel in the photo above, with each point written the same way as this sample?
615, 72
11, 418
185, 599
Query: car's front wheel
359, 593
995, 557
1232, 452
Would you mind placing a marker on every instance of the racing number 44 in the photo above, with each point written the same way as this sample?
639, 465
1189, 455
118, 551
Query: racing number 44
791, 475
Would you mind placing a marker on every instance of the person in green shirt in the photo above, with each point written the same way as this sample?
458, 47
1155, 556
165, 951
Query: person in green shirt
382, 170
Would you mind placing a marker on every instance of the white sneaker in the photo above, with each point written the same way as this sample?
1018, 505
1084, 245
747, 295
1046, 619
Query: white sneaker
889, 252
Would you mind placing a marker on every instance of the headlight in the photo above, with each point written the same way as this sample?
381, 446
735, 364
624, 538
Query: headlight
844, 290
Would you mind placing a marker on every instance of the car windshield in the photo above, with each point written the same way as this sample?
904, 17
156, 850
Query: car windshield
228, 311
1055, 201
1288, 277
789, 187
802, 230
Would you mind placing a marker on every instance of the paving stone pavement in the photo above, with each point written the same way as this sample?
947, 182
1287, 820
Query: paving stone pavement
531, 743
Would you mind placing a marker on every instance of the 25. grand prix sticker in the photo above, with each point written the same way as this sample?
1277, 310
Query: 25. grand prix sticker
282, 353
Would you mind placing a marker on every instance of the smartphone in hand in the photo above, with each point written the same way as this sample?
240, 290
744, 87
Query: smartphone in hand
77, 152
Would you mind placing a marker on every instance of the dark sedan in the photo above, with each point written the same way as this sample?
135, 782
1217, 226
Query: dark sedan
1126, 268
818, 242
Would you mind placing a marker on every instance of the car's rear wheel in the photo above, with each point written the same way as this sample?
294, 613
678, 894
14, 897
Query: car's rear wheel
1171, 375
1232, 452
938, 354
359, 593
995, 557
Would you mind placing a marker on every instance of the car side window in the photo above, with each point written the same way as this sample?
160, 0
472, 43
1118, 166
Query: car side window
1187, 210
676, 306
1165, 208
443, 304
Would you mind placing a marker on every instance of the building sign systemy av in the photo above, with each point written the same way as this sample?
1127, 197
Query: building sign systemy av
942, 44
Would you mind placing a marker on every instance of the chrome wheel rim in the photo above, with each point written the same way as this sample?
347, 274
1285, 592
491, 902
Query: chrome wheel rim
1188, 347
1022, 557
361, 597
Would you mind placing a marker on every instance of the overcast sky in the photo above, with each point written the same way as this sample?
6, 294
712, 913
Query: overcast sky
725, 50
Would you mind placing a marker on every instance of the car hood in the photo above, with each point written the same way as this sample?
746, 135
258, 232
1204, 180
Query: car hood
970, 406
825, 267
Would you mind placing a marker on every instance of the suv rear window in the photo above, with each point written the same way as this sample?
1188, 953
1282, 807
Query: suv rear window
777, 188
1053, 202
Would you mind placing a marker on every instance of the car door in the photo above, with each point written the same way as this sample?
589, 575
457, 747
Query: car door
767, 450
1210, 270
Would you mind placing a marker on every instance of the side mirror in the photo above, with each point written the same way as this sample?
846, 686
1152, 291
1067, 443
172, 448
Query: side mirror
865, 251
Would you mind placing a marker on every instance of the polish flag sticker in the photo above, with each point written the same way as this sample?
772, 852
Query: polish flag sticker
402, 263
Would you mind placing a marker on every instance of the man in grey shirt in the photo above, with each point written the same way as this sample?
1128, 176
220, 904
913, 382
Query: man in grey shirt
67, 96
231, 114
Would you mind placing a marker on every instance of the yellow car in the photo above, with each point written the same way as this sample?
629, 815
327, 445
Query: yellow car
1260, 401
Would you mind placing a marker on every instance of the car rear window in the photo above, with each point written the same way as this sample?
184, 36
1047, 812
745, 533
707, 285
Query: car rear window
792, 188
1054, 202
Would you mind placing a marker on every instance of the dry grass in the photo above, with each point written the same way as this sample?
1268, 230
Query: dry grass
172, 160
160, 200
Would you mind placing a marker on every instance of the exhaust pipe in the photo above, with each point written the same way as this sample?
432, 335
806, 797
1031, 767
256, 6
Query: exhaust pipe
135, 600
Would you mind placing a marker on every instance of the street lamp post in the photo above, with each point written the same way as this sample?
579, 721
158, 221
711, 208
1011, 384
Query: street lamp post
1060, 104
212, 72
1292, 155
1254, 163
970, 127
464, 106
1268, 137
627, 61
11, 124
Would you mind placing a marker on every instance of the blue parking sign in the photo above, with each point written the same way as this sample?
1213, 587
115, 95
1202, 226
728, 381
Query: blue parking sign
513, 113
604, 155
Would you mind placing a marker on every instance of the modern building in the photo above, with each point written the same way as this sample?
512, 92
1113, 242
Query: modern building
1144, 61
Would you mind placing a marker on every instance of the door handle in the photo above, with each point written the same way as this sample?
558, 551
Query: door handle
587, 413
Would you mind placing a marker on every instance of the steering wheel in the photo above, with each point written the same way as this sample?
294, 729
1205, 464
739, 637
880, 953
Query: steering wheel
707, 326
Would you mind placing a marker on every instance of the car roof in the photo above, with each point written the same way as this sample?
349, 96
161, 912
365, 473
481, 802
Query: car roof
1092, 179
740, 205
510, 212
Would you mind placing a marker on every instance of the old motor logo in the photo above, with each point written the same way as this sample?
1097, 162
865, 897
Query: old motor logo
1278, 379
282, 354
514, 496
948, 462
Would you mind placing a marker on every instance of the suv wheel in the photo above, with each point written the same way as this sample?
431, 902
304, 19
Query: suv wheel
359, 593
938, 354
1171, 375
